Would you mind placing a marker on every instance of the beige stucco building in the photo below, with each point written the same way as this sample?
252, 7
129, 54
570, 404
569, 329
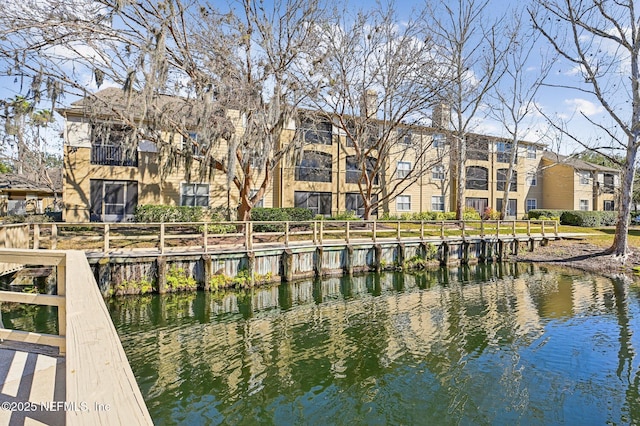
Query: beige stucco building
106, 181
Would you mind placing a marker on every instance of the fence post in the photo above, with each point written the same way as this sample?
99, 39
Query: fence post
61, 287
105, 247
249, 235
442, 229
398, 231
463, 229
315, 232
36, 236
514, 228
321, 231
286, 234
555, 227
542, 230
482, 229
375, 227
205, 238
528, 228
162, 238
54, 236
347, 236
498, 229
422, 230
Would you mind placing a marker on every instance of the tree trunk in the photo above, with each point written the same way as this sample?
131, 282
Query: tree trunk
620, 248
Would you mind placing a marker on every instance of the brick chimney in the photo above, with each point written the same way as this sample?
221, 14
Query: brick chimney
369, 104
441, 116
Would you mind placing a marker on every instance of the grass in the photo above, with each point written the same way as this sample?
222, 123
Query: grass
603, 237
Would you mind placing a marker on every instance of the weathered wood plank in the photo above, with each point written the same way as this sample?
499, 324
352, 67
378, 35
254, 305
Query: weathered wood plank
98, 371
31, 298
29, 337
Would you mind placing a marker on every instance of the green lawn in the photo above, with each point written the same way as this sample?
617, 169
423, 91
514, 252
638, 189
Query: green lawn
603, 236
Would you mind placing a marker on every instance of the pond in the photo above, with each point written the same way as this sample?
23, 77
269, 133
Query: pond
496, 344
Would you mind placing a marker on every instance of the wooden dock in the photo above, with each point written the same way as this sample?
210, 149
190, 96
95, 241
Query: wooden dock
84, 376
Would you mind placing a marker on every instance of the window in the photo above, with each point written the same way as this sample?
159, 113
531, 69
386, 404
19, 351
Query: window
502, 180
114, 145
316, 131
194, 141
532, 179
584, 205
314, 167
403, 203
354, 169
366, 135
532, 204
260, 202
609, 183
503, 152
355, 203
195, 194
437, 203
404, 168
477, 178
437, 173
112, 200
478, 204
405, 137
438, 140
585, 177
609, 205
317, 202
478, 149
511, 207
531, 152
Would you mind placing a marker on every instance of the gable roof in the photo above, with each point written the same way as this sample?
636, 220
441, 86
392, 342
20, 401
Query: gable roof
576, 163
31, 182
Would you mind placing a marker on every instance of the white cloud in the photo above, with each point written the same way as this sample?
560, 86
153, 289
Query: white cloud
584, 106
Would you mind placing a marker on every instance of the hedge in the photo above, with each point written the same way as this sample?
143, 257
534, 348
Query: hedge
588, 219
537, 213
285, 214
156, 213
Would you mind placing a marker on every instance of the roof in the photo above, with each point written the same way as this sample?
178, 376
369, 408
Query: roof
115, 102
32, 182
576, 163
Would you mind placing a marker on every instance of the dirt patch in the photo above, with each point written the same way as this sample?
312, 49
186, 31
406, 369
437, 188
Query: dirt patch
582, 255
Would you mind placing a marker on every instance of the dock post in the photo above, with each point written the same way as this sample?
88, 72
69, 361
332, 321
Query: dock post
161, 264
532, 245
465, 252
401, 254
251, 266
482, 258
317, 264
287, 265
207, 266
348, 267
104, 275
378, 256
501, 252
444, 256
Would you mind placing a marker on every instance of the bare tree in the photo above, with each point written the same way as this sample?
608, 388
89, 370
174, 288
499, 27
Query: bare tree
471, 46
601, 39
515, 96
375, 78
223, 82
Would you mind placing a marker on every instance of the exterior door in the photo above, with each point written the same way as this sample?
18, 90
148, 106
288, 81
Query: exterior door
113, 200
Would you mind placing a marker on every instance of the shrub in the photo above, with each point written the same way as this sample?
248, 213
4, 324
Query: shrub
286, 214
588, 218
548, 214
156, 213
178, 279
348, 215
26, 218
298, 214
470, 213
490, 214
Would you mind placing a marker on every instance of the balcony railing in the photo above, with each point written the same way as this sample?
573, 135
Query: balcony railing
113, 155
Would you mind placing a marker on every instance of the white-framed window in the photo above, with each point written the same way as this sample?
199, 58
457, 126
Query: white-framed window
609, 205
585, 177
584, 205
532, 179
403, 203
437, 203
404, 168
438, 140
194, 194
437, 172
260, 202
194, 142
531, 152
532, 204
406, 137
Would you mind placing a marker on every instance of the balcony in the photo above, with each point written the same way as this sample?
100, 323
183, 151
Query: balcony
113, 155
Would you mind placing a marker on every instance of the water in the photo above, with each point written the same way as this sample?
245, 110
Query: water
485, 345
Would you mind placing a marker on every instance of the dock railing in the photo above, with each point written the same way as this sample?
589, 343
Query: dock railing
207, 236
97, 370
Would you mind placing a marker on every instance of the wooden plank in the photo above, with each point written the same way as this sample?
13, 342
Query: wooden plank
31, 298
97, 368
26, 257
29, 337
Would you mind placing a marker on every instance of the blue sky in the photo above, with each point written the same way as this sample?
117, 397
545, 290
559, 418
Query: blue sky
563, 104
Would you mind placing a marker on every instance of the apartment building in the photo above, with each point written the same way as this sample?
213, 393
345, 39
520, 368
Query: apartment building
104, 179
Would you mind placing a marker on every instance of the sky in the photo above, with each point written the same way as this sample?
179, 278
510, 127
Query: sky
561, 104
